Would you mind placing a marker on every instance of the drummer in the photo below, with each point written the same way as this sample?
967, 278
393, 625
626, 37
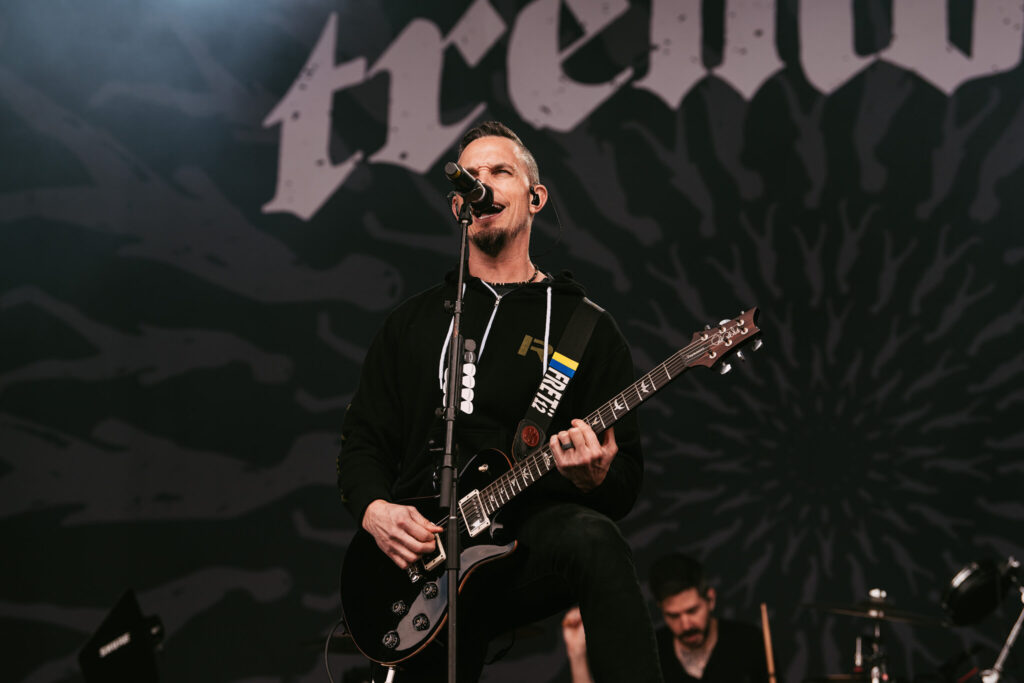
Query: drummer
693, 644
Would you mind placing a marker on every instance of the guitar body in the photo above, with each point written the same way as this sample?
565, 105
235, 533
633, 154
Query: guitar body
391, 616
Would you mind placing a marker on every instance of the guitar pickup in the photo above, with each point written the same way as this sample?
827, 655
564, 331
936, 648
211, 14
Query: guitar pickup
437, 559
473, 513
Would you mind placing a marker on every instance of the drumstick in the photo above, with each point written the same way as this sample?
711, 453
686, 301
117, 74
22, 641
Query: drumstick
769, 659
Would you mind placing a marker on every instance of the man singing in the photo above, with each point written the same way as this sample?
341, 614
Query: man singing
570, 550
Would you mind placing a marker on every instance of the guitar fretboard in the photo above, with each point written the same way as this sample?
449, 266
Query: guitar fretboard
535, 465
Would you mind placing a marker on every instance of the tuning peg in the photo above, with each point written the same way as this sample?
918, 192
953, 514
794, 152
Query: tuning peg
739, 354
724, 322
724, 370
707, 327
756, 346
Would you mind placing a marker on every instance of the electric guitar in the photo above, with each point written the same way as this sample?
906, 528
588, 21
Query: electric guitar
393, 613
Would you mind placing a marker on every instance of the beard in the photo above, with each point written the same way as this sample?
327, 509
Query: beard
492, 241
702, 632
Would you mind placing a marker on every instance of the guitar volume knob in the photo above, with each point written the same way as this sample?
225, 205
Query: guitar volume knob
390, 640
430, 590
399, 608
421, 622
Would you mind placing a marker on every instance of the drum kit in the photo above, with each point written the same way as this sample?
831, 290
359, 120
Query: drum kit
974, 593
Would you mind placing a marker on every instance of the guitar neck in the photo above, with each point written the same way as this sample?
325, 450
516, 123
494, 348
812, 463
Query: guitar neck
530, 469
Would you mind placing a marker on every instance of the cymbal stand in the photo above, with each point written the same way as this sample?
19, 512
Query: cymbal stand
992, 675
873, 661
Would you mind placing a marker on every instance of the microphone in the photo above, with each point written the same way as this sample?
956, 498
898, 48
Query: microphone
472, 190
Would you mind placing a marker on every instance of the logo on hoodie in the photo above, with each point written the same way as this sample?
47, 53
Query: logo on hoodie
535, 345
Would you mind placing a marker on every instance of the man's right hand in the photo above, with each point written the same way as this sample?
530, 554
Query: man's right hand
401, 532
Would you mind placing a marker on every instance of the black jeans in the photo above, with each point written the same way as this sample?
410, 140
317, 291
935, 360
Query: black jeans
567, 554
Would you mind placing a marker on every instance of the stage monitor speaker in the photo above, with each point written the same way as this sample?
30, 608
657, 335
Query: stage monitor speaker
123, 649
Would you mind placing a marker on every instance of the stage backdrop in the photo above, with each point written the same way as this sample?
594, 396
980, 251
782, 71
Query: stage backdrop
208, 207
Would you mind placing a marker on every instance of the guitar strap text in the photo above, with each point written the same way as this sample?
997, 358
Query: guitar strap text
563, 365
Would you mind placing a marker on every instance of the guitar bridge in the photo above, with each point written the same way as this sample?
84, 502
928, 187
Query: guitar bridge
473, 513
439, 558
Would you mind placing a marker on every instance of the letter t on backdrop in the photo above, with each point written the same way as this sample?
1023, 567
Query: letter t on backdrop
416, 138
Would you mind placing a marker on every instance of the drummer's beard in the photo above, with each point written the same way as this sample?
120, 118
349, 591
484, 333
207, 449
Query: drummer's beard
686, 637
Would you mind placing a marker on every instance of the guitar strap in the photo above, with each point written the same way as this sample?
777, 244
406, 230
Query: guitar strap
563, 365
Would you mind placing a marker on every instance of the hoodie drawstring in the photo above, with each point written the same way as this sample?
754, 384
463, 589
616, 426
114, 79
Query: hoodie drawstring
487, 332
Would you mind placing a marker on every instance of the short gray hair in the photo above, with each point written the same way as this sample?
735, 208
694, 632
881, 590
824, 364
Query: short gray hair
500, 130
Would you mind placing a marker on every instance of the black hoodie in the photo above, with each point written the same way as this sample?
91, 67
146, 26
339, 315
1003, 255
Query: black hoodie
393, 412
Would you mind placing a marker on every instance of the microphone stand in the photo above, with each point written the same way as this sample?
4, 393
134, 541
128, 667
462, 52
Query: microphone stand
449, 478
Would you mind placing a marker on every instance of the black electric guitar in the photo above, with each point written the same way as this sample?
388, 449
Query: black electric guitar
393, 613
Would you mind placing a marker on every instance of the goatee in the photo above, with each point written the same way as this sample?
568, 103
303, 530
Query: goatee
492, 241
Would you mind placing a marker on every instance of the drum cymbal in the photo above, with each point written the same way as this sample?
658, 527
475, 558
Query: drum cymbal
877, 609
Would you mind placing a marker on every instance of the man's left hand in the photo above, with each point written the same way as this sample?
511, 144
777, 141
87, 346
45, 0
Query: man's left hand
586, 462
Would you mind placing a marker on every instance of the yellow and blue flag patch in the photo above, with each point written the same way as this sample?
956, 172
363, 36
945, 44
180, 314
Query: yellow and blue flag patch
565, 365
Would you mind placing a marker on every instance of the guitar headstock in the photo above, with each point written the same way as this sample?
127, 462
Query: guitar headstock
713, 344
